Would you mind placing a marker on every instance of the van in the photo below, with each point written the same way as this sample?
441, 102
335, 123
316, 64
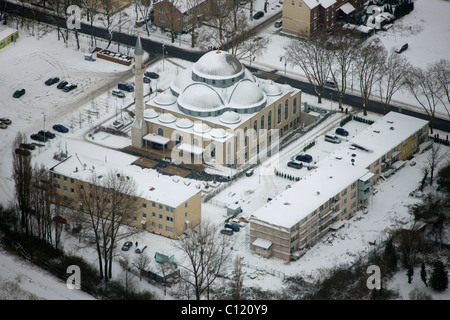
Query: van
125, 86
332, 138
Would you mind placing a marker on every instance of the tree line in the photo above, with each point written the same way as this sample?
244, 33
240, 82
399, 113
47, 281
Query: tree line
345, 57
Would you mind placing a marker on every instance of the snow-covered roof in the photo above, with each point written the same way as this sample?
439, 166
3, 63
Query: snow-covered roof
347, 8
311, 3
149, 184
296, 203
327, 3
218, 65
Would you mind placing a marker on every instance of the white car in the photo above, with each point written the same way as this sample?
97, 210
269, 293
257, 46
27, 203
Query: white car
118, 93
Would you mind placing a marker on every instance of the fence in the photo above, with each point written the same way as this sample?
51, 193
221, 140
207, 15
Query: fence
273, 272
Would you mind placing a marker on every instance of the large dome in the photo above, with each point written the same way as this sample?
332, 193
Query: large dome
246, 94
217, 65
200, 97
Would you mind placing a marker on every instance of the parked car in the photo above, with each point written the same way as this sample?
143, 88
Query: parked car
295, 164
118, 93
332, 138
304, 157
19, 93
147, 80
403, 48
249, 173
3, 125
151, 74
139, 251
60, 128
59, 219
70, 88
258, 15
127, 245
125, 86
228, 232
62, 84
278, 24
341, 132
330, 83
38, 137
6, 121
51, 81
47, 134
232, 226
28, 146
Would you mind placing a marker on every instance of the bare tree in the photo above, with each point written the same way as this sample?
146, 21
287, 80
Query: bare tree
369, 67
237, 282
206, 251
144, 7
109, 201
393, 72
344, 47
441, 72
425, 88
311, 56
435, 158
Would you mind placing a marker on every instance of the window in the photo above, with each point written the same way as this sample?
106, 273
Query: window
169, 219
269, 120
245, 137
294, 106
212, 155
286, 109
238, 141
160, 132
279, 114
262, 122
144, 205
144, 215
353, 195
169, 229
255, 129
169, 209
153, 214
160, 216
299, 4
293, 2
162, 19
185, 204
160, 226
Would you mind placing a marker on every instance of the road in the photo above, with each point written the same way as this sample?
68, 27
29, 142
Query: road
155, 50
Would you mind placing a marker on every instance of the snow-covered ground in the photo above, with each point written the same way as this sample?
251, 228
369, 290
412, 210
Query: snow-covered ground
34, 58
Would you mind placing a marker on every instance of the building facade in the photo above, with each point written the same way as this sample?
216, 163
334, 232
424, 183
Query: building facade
304, 18
218, 112
336, 189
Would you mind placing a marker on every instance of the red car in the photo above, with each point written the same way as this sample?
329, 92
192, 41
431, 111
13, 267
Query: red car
59, 219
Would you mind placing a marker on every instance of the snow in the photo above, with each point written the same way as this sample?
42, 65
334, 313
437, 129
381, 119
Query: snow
37, 56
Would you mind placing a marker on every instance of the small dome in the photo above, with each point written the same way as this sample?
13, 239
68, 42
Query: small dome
201, 127
150, 113
230, 117
246, 93
272, 89
167, 118
184, 123
165, 98
217, 63
181, 81
200, 96
219, 133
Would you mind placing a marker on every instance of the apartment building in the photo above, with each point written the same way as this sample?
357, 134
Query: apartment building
304, 18
158, 204
335, 190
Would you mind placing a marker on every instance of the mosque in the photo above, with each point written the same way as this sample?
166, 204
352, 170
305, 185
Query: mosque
215, 111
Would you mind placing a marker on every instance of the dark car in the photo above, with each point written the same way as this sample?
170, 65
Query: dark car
28, 146
295, 164
258, 15
127, 245
304, 157
151, 74
232, 226
125, 86
47, 134
228, 232
341, 132
38, 137
147, 80
330, 83
60, 128
278, 24
6, 121
403, 48
51, 81
62, 84
70, 88
19, 93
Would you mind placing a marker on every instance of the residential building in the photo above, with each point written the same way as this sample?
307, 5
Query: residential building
304, 18
338, 186
179, 15
160, 205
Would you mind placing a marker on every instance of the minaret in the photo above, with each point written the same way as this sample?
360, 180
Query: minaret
139, 127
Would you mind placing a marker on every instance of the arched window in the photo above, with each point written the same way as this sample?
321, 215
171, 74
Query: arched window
195, 142
262, 122
212, 150
279, 113
178, 138
294, 106
245, 137
160, 132
255, 129
286, 109
269, 120
238, 141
